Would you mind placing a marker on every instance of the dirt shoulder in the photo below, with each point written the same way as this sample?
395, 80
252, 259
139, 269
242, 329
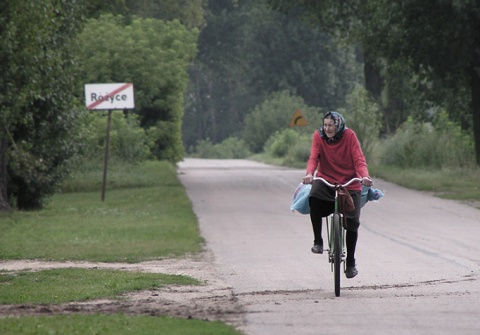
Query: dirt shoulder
213, 301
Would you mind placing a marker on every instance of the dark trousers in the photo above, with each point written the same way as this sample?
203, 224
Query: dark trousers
321, 208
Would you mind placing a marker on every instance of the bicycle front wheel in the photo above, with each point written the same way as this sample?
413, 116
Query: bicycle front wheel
337, 251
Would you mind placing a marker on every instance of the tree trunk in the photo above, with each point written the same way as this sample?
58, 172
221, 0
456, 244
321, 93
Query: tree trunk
374, 83
475, 86
212, 111
373, 79
4, 205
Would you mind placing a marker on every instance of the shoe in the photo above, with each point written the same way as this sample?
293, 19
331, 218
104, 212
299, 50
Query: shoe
351, 271
317, 249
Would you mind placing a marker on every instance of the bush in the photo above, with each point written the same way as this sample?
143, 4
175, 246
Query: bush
230, 148
274, 115
363, 116
292, 146
280, 142
300, 151
438, 145
128, 141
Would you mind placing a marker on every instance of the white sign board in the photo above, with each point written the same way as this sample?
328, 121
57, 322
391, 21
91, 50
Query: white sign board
109, 96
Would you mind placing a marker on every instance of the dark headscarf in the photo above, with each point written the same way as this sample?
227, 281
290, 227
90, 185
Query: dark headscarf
339, 122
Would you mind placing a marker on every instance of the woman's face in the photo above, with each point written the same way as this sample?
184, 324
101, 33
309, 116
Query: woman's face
329, 127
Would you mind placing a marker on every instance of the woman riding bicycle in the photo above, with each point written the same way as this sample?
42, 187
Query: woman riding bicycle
336, 156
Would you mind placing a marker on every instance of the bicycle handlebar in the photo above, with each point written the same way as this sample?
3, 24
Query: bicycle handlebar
338, 185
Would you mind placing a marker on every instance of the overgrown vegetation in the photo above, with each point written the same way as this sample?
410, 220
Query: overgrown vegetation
439, 144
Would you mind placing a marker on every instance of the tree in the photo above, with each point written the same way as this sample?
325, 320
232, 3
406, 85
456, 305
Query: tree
441, 41
438, 40
154, 56
189, 13
37, 113
96, 8
248, 51
352, 22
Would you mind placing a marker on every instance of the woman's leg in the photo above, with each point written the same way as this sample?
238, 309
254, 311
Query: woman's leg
353, 223
351, 242
316, 219
318, 209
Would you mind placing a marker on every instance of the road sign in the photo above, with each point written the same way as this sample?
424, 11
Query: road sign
109, 96
298, 119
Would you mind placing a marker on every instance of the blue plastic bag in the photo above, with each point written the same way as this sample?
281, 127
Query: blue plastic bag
370, 194
302, 192
300, 199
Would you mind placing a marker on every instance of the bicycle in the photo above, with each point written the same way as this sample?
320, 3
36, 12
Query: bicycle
336, 235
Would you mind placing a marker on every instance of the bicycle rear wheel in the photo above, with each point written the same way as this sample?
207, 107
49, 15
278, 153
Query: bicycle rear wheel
337, 251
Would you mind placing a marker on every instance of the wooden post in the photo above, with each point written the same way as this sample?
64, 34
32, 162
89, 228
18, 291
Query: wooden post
107, 140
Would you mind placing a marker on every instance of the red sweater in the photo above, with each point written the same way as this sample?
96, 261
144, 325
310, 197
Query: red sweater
338, 162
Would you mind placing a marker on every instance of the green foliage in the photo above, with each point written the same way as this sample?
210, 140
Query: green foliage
154, 56
273, 115
299, 153
230, 148
438, 145
363, 116
128, 141
291, 146
189, 13
263, 52
167, 141
38, 114
416, 53
280, 142
115, 324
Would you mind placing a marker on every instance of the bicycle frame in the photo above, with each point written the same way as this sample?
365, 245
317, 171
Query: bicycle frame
331, 237
330, 232
336, 246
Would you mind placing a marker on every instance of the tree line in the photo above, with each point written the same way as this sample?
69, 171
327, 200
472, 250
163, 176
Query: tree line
416, 54
219, 70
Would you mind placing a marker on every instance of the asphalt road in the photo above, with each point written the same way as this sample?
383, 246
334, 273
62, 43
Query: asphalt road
418, 256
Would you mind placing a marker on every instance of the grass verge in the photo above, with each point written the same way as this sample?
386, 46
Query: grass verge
146, 215
455, 184
117, 324
57, 286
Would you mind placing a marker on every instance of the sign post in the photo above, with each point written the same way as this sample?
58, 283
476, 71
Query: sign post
108, 97
105, 161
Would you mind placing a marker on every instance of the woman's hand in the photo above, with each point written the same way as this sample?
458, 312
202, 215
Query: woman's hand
308, 179
366, 181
